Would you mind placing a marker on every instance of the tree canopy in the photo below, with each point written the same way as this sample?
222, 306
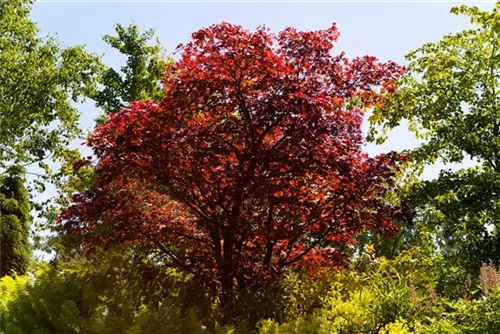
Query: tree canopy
38, 81
139, 78
450, 97
251, 162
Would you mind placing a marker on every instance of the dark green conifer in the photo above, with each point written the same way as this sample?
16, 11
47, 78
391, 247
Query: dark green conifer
14, 222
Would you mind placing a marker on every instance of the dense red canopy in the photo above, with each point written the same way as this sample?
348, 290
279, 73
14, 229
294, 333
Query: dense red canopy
252, 162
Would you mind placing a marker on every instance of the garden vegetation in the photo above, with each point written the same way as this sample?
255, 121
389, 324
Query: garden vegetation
228, 190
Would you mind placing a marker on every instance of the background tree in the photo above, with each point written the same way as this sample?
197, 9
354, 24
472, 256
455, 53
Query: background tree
251, 163
450, 97
38, 81
145, 292
140, 78
14, 223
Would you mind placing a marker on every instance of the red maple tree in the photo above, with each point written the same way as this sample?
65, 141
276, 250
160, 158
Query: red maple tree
252, 162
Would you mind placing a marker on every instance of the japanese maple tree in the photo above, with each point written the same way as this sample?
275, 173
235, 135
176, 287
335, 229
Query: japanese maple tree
252, 162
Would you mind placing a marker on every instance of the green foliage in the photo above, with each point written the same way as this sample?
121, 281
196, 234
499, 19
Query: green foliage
127, 293
140, 78
14, 223
386, 296
374, 295
397, 327
462, 316
38, 80
449, 93
449, 96
432, 278
122, 291
117, 292
463, 209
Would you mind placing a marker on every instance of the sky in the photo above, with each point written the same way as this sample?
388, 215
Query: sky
387, 30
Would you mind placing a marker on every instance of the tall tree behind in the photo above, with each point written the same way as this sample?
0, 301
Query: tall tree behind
14, 223
450, 97
38, 81
139, 78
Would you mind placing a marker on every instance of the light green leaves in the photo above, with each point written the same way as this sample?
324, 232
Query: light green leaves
38, 81
450, 94
451, 97
139, 78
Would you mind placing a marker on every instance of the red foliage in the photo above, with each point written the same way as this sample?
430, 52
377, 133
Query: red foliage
252, 162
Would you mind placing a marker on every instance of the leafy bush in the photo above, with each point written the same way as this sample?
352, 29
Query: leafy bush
126, 292
112, 297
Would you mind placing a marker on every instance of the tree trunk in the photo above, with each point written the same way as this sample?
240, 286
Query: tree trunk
227, 287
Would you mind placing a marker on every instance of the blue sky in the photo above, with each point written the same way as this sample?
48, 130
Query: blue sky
386, 30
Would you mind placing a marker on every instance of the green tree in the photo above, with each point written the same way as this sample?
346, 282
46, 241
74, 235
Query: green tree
38, 81
14, 223
139, 78
450, 98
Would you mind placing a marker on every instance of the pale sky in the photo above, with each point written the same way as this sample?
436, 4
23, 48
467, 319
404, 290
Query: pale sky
387, 30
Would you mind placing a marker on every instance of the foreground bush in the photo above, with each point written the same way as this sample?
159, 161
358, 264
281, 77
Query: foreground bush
122, 292
404, 295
